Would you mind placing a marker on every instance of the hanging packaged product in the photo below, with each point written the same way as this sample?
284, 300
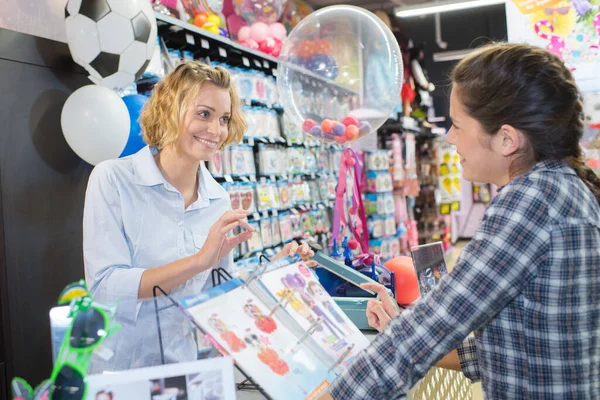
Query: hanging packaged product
292, 132
335, 157
296, 225
247, 190
285, 195
379, 181
255, 243
215, 165
271, 160
375, 226
266, 232
296, 161
389, 225
242, 160
285, 226
379, 203
310, 162
377, 160
276, 231
322, 160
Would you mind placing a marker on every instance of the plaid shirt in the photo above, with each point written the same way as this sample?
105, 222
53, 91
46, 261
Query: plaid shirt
528, 285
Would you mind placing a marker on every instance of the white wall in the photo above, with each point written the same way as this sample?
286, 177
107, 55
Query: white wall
44, 18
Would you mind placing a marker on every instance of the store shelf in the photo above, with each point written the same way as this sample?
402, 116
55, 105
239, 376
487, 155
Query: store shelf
180, 34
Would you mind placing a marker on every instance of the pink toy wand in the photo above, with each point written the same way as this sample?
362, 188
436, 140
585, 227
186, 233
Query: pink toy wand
557, 44
349, 162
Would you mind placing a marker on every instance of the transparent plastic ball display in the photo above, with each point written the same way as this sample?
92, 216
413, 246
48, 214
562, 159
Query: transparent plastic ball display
340, 74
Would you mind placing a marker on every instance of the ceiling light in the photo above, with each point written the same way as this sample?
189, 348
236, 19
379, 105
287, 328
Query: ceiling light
405, 12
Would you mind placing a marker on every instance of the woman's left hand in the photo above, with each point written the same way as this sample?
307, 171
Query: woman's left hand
293, 248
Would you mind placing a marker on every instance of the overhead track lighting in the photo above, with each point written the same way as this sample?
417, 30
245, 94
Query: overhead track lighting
442, 7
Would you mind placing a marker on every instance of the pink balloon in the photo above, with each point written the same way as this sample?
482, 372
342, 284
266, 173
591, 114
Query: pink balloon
235, 23
249, 43
277, 31
259, 31
244, 33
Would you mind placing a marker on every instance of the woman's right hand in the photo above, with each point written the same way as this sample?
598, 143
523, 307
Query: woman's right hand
219, 242
380, 312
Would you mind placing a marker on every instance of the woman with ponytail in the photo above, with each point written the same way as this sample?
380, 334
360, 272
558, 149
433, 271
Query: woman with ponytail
528, 285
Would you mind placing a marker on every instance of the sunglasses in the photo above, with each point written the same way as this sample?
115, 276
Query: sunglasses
559, 10
86, 333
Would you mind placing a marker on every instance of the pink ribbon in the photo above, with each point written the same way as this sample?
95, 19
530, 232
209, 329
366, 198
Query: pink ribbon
359, 228
366, 259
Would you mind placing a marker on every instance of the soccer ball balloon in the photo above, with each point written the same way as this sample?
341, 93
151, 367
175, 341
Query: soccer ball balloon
113, 40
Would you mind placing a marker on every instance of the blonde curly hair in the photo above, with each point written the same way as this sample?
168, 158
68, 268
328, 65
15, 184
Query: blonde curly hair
161, 119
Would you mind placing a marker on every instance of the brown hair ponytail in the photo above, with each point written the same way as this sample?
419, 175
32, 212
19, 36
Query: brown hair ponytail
532, 90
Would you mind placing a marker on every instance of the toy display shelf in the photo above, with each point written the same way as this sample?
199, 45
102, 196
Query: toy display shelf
183, 36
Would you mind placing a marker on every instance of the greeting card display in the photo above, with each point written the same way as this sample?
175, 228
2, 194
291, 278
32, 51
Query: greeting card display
281, 327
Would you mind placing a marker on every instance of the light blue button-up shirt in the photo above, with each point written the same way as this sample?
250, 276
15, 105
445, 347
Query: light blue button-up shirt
135, 220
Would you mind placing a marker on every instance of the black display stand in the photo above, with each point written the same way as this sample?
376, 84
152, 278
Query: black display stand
218, 275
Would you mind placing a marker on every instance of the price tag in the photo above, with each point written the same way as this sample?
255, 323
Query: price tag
204, 44
256, 216
256, 63
265, 64
245, 61
271, 140
244, 179
265, 214
272, 177
274, 72
312, 175
251, 141
294, 211
222, 52
252, 178
228, 178
284, 176
321, 206
275, 213
189, 38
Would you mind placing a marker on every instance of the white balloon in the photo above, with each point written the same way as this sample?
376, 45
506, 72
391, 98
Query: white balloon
95, 123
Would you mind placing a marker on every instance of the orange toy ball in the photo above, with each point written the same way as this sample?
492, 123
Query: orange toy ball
323, 47
351, 132
327, 125
200, 20
407, 285
306, 49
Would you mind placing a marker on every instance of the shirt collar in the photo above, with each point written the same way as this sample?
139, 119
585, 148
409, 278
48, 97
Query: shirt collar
148, 174
554, 166
145, 168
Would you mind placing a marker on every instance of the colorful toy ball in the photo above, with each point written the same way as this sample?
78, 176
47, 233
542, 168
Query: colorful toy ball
351, 132
327, 125
338, 129
407, 286
349, 120
308, 125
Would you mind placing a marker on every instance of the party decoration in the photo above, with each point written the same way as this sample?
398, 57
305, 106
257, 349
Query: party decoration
96, 124
113, 40
406, 283
330, 43
294, 11
263, 37
568, 28
195, 7
267, 11
135, 143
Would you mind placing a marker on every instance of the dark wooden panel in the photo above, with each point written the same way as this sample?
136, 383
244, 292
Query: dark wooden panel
42, 188
3, 383
16, 46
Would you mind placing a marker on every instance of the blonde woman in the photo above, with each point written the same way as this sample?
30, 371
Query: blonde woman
158, 217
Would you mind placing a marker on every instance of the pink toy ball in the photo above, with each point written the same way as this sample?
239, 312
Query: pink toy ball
244, 33
259, 31
249, 43
277, 31
308, 124
350, 121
